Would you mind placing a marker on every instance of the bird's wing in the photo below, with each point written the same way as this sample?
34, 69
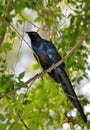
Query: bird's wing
52, 53
44, 60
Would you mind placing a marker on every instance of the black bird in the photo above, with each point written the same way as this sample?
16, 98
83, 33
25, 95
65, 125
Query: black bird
48, 55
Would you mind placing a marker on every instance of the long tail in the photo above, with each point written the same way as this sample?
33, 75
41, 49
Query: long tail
60, 76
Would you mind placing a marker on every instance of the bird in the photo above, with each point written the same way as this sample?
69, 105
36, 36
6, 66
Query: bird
46, 54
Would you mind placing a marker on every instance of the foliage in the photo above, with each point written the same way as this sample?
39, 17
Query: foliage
44, 105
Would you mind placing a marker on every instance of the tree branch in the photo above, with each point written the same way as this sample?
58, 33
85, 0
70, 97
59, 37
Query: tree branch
22, 121
50, 68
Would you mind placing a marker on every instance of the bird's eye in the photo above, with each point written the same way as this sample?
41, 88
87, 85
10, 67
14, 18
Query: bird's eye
33, 33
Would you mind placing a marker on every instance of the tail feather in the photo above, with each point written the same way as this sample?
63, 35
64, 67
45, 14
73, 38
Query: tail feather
60, 76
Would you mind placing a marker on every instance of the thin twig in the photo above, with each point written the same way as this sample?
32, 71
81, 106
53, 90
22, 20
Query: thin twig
11, 26
19, 47
27, 90
22, 121
50, 68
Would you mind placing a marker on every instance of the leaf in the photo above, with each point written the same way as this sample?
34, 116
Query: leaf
19, 5
88, 67
6, 47
21, 75
16, 126
2, 126
2, 117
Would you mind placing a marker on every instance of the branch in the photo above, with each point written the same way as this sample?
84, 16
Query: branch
50, 68
22, 121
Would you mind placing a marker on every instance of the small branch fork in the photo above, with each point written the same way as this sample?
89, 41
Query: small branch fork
50, 68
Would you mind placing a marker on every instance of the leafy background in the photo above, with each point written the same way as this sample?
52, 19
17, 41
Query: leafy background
43, 104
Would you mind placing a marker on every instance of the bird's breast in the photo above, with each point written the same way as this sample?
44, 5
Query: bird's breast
41, 56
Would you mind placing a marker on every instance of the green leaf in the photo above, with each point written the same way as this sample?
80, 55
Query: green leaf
2, 117
6, 47
19, 5
88, 67
2, 126
16, 126
21, 75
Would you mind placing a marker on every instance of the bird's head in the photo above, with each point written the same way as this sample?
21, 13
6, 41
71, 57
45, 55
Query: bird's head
34, 36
